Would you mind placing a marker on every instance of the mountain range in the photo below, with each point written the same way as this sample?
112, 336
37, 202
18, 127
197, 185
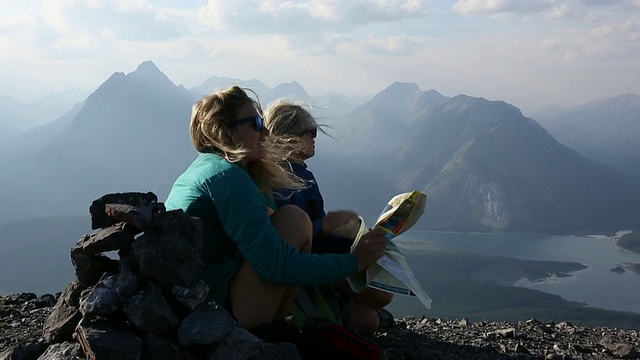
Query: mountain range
483, 165
603, 130
16, 116
131, 133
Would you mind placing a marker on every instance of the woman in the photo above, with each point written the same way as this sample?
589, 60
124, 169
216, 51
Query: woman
253, 261
291, 123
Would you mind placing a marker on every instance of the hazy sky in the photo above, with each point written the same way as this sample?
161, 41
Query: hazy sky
530, 53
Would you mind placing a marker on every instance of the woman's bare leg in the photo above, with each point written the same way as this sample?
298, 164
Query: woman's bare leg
255, 302
364, 318
377, 299
364, 311
300, 237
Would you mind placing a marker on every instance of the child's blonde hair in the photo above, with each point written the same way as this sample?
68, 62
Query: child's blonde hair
286, 119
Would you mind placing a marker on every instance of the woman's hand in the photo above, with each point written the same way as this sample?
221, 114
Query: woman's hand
370, 248
335, 219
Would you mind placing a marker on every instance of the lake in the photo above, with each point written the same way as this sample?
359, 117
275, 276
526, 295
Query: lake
596, 286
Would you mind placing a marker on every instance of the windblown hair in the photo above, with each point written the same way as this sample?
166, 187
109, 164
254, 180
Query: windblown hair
289, 120
211, 132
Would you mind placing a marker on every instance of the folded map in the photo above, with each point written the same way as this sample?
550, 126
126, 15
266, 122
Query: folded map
391, 272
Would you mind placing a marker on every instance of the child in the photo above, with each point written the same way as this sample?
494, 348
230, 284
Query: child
293, 124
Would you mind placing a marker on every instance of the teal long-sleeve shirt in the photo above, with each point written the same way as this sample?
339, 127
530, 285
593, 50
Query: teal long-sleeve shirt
236, 227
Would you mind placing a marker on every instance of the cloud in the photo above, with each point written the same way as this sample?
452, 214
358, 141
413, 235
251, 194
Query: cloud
387, 46
363, 12
279, 16
121, 20
314, 27
66, 29
118, 20
454, 46
603, 2
489, 7
553, 9
571, 32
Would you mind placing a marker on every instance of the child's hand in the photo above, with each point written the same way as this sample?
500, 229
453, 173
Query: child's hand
335, 219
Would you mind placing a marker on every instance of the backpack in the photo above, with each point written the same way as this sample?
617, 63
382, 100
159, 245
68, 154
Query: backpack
324, 302
338, 342
319, 326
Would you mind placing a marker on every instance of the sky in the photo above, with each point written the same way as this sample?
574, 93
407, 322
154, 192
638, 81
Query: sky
529, 53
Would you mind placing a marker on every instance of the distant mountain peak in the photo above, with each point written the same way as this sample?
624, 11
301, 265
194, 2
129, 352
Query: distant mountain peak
146, 76
215, 83
397, 93
620, 102
290, 83
406, 86
291, 90
459, 103
404, 100
292, 86
148, 71
147, 67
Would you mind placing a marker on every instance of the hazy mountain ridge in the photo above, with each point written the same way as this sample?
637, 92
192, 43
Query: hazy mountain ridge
215, 83
514, 179
17, 116
131, 134
325, 107
603, 130
484, 166
35, 253
11, 121
15, 153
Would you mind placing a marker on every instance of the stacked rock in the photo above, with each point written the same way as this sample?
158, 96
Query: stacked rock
137, 295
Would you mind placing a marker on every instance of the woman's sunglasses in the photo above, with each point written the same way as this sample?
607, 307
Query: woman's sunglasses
258, 123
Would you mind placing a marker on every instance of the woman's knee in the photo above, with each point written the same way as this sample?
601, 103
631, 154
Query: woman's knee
293, 214
365, 319
293, 225
374, 298
382, 299
246, 286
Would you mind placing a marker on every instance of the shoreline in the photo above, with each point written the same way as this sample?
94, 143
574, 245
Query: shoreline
627, 241
613, 235
592, 234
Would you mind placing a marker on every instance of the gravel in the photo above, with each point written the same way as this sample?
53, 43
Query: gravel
22, 317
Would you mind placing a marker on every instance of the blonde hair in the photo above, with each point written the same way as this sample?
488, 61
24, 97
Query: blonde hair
211, 132
289, 120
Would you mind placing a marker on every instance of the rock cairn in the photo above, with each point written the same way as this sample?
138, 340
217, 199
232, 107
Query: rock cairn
146, 300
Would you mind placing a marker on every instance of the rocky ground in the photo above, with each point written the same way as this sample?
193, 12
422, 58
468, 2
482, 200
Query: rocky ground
22, 317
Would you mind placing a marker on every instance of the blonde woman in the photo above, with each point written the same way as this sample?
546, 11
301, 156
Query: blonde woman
253, 260
291, 123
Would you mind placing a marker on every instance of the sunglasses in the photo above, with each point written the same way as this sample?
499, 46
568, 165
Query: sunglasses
258, 123
313, 132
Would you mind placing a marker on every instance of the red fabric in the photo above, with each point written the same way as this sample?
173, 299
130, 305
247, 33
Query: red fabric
345, 342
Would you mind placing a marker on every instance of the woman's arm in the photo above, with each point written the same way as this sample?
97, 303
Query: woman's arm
241, 207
